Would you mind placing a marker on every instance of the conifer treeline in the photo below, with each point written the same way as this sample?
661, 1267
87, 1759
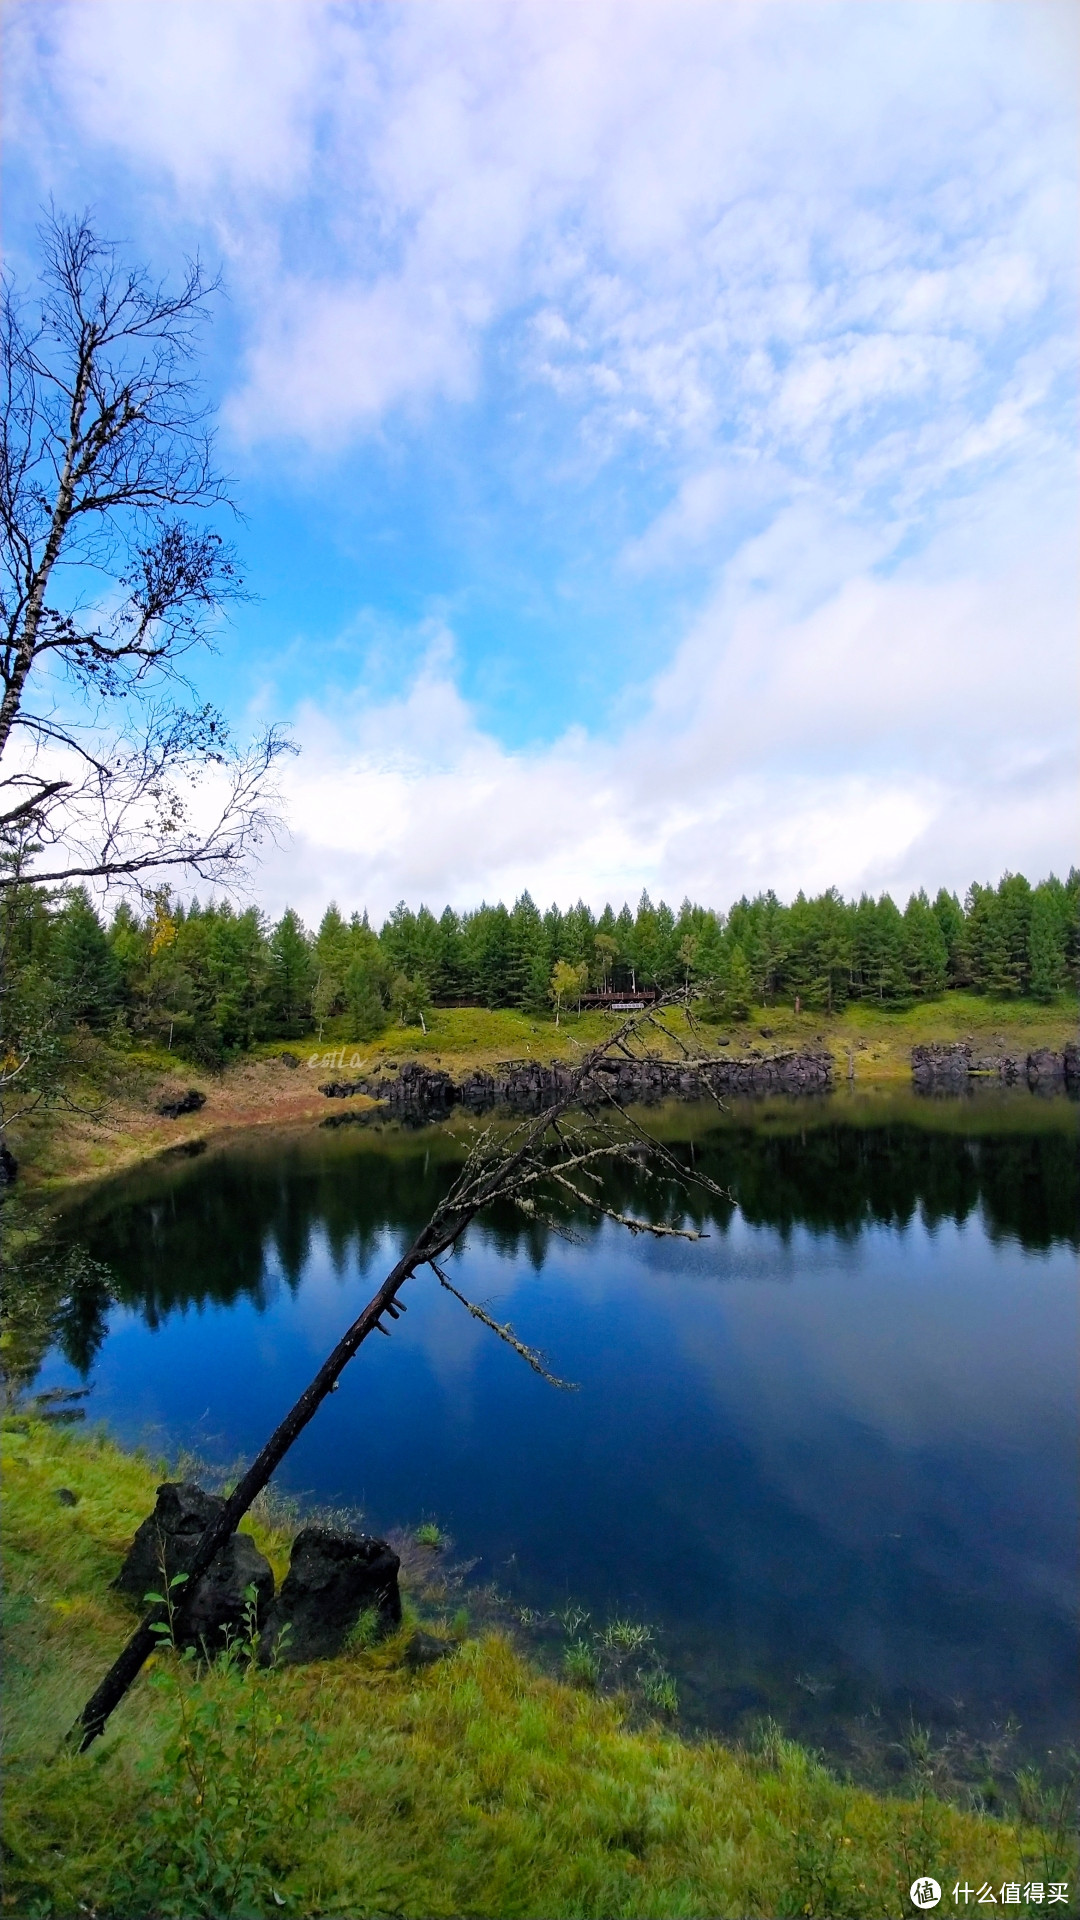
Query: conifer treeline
209, 980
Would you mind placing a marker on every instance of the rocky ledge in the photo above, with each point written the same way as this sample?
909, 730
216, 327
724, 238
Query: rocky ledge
955, 1068
527, 1086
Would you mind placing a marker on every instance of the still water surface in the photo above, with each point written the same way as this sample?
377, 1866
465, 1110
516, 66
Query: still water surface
828, 1452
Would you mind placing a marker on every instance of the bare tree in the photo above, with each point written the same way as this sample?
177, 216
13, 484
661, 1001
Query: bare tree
106, 584
558, 1156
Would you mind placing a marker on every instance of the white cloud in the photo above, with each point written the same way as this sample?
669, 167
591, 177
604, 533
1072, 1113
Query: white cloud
702, 199
866, 727
217, 96
807, 272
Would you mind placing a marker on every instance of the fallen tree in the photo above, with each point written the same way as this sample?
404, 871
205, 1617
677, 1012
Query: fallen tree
542, 1162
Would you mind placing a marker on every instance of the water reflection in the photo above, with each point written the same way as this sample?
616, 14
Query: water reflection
189, 1231
826, 1450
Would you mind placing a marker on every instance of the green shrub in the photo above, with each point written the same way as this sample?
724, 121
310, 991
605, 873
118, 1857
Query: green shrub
581, 1664
659, 1690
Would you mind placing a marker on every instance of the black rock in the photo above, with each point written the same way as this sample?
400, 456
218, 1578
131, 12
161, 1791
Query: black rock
289, 1059
188, 1102
333, 1577
1044, 1067
66, 1497
218, 1608
173, 1531
180, 1517
424, 1649
942, 1066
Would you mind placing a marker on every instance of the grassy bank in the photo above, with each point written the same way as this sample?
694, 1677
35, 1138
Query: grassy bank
357, 1786
117, 1093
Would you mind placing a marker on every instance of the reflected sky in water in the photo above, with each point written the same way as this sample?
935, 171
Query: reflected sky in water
835, 1465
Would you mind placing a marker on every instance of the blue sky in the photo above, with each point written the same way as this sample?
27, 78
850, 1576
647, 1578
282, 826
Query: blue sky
655, 423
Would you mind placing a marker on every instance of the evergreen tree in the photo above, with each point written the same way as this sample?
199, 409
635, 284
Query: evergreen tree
530, 944
926, 956
578, 933
291, 977
84, 964
769, 946
623, 973
648, 945
239, 972
738, 984
1072, 924
1014, 919
709, 952
987, 947
491, 956
949, 915
865, 946
821, 951
129, 942
331, 955
447, 980
889, 982
1048, 940
366, 981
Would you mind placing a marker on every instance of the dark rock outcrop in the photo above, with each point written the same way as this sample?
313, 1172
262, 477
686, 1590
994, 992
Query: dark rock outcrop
9, 1166
526, 1086
333, 1577
171, 1107
957, 1068
289, 1059
181, 1515
1045, 1068
945, 1067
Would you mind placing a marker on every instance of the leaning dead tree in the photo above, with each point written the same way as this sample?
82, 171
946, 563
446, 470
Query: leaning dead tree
110, 765
561, 1154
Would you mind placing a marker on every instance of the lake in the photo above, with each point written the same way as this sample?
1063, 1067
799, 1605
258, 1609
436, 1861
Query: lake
827, 1452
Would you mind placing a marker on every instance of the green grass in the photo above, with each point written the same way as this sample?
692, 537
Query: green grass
476, 1786
462, 1037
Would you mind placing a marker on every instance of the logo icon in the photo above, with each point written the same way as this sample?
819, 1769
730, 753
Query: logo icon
925, 1892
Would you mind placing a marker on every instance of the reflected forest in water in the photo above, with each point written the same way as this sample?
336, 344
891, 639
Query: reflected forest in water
259, 1205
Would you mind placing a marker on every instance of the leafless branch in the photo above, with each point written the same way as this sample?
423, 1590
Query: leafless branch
105, 583
494, 1171
505, 1332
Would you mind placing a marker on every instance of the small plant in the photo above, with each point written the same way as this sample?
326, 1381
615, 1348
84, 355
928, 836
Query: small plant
428, 1535
572, 1619
366, 1631
459, 1625
581, 1664
235, 1786
1049, 1811
625, 1636
528, 1616
659, 1690
773, 1748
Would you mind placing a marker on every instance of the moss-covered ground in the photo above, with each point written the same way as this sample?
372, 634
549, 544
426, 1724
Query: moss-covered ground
359, 1787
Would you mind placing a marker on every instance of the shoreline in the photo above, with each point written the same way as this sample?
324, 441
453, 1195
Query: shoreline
870, 1051
504, 1774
